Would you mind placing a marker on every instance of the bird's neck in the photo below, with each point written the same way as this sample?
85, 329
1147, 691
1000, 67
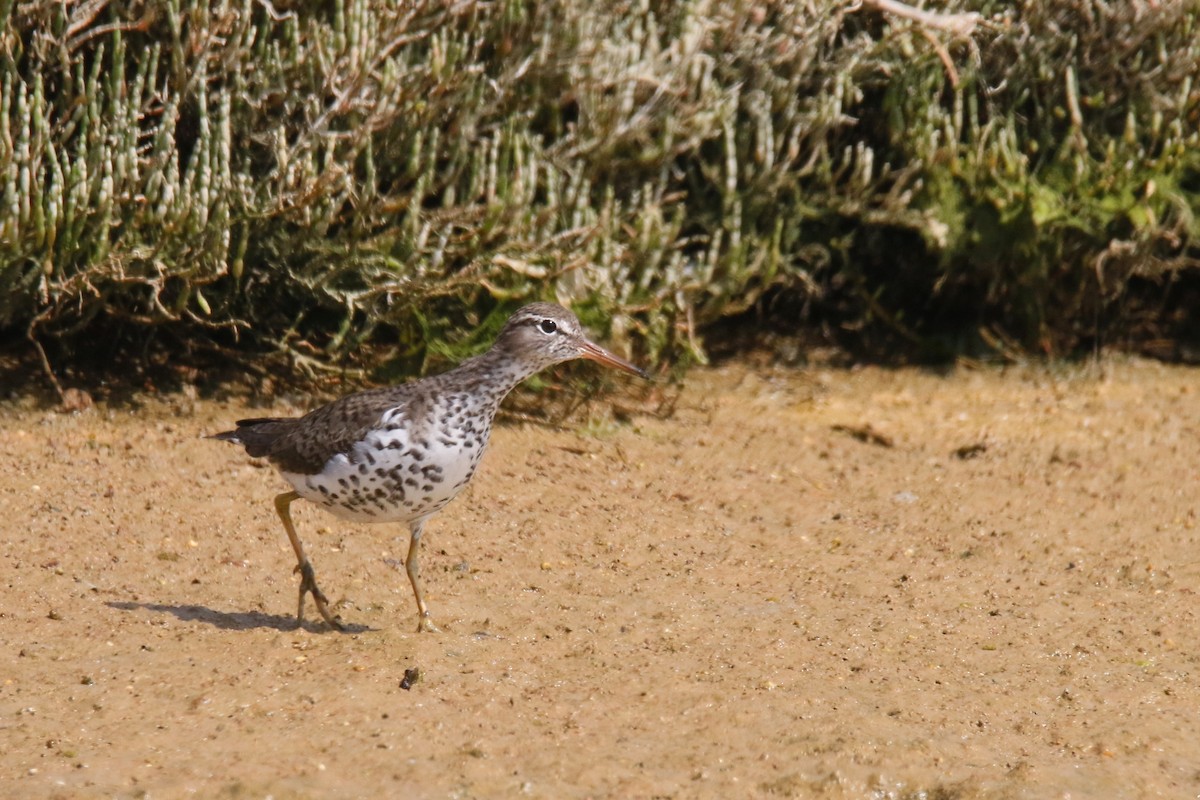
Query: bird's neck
492, 375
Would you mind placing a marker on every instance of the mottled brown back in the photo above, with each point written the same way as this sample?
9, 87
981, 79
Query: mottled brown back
303, 444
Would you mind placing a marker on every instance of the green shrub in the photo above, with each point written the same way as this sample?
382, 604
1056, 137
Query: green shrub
307, 177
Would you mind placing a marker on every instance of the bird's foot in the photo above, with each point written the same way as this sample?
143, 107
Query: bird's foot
425, 624
308, 585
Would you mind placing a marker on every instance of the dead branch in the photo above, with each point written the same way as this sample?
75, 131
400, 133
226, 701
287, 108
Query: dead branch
958, 24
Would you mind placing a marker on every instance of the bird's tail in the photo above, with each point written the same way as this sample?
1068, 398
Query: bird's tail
257, 435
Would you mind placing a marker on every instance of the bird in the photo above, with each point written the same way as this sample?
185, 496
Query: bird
402, 453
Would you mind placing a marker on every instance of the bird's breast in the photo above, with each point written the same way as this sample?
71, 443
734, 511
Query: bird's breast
401, 470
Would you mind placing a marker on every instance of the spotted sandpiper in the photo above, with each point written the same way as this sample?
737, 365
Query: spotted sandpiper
401, 453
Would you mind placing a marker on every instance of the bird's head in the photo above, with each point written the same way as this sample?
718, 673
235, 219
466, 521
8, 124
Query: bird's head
543, 334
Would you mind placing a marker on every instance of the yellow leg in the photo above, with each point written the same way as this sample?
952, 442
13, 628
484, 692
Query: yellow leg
308, 579
413, 568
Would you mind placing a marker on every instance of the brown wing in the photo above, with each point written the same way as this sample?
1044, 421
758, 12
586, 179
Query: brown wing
304, 444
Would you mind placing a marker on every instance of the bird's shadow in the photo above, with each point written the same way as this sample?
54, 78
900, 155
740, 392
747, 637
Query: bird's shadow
242, 621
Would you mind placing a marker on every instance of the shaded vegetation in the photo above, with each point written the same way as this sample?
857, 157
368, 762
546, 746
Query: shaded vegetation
303, 179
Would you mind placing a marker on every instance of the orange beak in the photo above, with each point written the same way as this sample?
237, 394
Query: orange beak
594, 352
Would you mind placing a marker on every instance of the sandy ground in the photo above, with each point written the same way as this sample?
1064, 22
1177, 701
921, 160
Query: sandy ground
829, 584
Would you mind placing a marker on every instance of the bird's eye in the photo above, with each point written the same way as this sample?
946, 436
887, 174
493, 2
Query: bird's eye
548, 326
